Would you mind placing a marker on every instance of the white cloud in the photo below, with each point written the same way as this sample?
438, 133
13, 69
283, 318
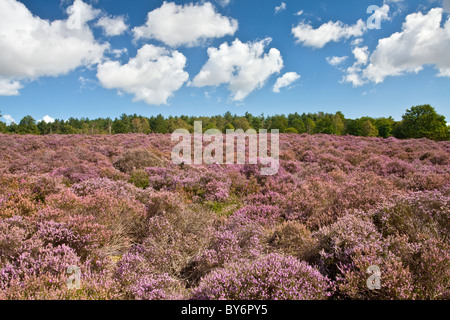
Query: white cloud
353, 77
286, 80
112, 26
224, 3
185, 25
421, 42
152, 76
243, 66
280, 8
357, 41
9, 88
335, 61
353, 73
361, 55
47, 119
86, 83
8, 119
119, 52
299, 13
32, 47
327, 32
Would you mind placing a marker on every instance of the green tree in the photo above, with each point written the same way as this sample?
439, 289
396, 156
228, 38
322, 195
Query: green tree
423, 122
228, 126
256, 123
159, 125
279, 122
310, 125
121, 125
325, 125
385, 126
368, 129
241, 123
291, 130
3, 127
28, 126
339, 123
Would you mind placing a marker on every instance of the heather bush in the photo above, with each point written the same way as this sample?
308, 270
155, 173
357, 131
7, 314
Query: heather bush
140, 179
294, 239
125, 218
418, 215
136, 279
139, 158
13, 232
273, 277
164, 202
266, 215
428, 261
340, 241
174, 238
80, 233
237, 239
36, 258
141, 227
396, 279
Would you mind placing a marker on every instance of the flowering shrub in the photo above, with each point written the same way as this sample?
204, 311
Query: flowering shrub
293, 238
273, 277
141, 227
138, 159
136, 279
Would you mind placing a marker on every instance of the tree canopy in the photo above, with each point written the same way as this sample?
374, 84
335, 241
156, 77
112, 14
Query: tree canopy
418, 122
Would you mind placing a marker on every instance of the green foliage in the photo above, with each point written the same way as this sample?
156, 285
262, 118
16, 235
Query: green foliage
28, 126
423, 122
280, 123
291, 130
140, 178
368, 129
418, 122
310, 126
385, 126
325, 125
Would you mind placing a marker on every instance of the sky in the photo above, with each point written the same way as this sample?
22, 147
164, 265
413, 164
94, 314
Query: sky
102, 58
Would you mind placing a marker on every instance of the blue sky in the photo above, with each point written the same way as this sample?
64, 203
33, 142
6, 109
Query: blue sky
103, 58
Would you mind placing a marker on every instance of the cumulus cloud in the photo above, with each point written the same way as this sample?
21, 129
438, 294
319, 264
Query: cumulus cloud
185, 25
32, 47
361, 55
152, 76
243, 66
112, 26
9, 88
421, 42
9, 119
119, 52
353, 73
280, 8
327, 32
335, 61
47, 119
286, 80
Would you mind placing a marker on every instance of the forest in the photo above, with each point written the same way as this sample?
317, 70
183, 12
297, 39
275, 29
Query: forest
418, 122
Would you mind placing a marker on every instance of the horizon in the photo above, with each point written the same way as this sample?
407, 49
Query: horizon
101, 59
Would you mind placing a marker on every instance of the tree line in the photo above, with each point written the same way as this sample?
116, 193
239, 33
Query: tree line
418, 122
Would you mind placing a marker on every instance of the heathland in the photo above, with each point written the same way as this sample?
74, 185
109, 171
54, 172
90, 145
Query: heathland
140, 227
